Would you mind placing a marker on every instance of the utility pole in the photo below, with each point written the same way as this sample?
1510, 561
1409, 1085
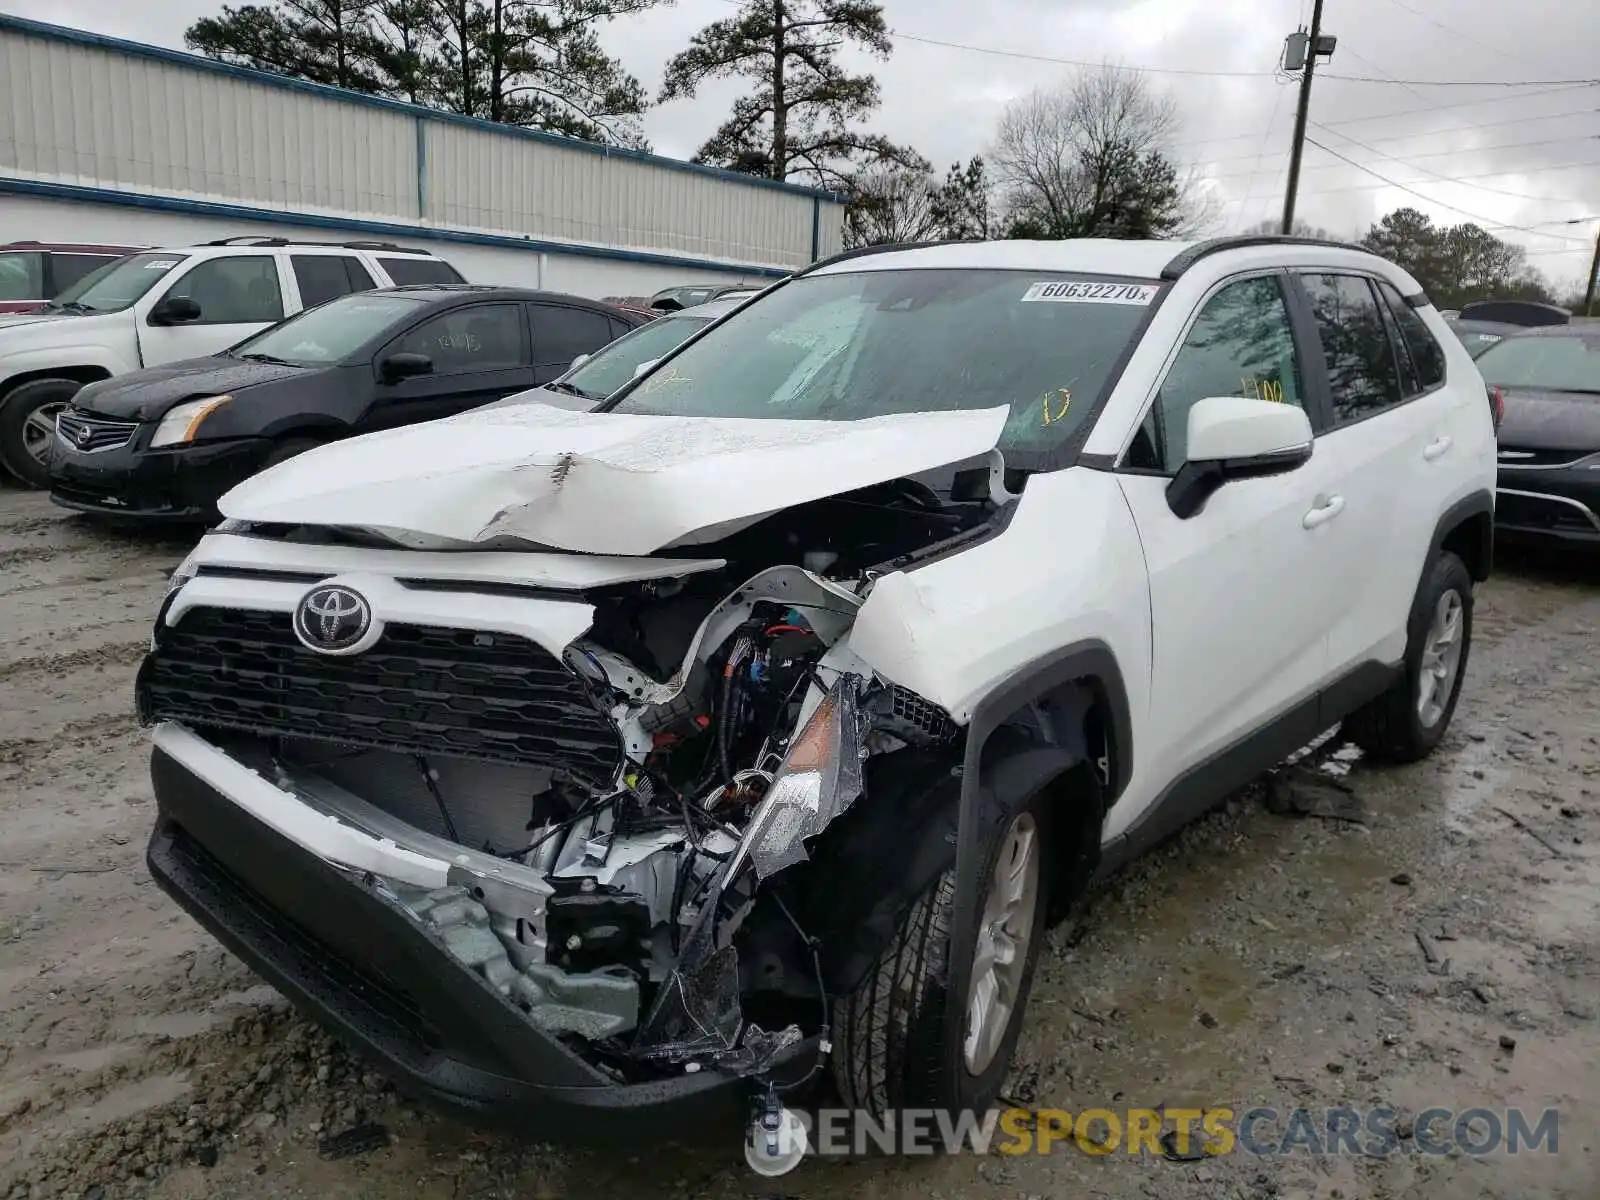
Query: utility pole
1301, 51
1594, 269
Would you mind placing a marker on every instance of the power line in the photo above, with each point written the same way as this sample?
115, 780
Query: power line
1407, 188
1410, 112
1444, 178
1029, 56
1371, 187
1441, 154
1411, 137
1451, 29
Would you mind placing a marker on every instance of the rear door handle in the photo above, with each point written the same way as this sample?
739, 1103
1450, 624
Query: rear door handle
1328, 507
1436, 449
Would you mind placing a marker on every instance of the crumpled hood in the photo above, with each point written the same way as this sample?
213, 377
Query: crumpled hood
148, 394
598, 483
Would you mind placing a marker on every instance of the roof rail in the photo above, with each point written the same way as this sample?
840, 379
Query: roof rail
1187, 258
257, 240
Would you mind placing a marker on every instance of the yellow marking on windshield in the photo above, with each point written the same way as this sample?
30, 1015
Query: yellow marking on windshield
1062, 399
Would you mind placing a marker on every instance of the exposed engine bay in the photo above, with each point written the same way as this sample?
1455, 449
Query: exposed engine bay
624, 830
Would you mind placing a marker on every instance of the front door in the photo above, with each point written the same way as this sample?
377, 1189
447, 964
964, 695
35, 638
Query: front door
479, 353
238, 295
1241, 593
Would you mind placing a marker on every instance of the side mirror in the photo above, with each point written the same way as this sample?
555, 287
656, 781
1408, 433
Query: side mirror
404, 366
579, 361
644, 366
175, 310
1233, 438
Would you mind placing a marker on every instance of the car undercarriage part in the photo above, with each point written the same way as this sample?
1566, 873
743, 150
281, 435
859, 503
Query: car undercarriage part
620, 825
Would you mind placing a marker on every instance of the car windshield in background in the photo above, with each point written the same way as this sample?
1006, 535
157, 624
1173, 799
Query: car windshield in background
330, 332
22, 276
871, 343
1570, 363
1477, 343
119, 284
614, 365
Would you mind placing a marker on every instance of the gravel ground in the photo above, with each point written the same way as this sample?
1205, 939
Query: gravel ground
1431, 939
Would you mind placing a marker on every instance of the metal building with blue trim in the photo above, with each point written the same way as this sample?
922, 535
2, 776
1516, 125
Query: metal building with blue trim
118, 142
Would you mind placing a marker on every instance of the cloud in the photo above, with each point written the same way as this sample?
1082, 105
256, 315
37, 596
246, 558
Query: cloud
1524, 156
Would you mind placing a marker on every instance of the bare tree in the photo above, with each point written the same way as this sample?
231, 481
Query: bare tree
890, 202
1090, 159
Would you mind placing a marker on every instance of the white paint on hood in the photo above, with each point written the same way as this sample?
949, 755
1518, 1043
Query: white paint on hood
598, 483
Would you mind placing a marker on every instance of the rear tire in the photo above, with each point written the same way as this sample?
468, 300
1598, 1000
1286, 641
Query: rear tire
891, 1050
1408, 721
27, 427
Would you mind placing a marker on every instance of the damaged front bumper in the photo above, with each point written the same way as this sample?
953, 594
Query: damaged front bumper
342, 947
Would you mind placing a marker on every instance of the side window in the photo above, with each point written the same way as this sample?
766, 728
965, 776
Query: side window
68, 269
1241, 344
1362, 374
360, 277
560, 334
619, 328
321, 277
234, 291
22, 277
485, 337
419, 270
1426, 355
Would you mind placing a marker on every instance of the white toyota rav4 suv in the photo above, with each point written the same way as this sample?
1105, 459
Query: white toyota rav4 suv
162, 306
600, 772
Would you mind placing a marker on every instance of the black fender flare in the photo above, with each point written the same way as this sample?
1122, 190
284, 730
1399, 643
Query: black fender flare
1478, 504
1090, 661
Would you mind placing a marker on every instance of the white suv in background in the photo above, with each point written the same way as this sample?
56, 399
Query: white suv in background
648, 757
161, 306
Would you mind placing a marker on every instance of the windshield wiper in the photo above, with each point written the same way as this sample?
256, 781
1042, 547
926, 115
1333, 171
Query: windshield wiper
71, 306
267, 358
559, 386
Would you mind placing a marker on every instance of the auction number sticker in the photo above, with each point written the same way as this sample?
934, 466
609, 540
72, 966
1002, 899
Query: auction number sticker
161, 264
1063, 292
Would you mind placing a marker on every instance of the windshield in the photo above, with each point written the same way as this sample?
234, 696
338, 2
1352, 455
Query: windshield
331, 332
118, 284
1557, 364
614, 365
22, 276
870, 343
1477, 343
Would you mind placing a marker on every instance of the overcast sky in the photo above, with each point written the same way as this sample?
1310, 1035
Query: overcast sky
1532, 153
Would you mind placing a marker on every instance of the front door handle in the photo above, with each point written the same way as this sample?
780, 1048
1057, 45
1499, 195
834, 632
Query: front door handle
1328, 507
1436, 449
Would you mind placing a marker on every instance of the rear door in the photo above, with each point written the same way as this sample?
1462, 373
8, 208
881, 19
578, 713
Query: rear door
318, 278
238, 294
479, 353
1389, 439
561, 332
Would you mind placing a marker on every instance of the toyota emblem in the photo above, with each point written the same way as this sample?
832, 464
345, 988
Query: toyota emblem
332, 619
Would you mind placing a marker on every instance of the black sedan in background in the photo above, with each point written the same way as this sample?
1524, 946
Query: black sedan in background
1549, 439
169, 441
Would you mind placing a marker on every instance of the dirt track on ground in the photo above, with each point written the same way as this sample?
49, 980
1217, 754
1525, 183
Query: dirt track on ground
1377, 955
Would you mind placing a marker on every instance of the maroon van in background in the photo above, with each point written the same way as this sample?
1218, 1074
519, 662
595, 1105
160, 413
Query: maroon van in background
31, 273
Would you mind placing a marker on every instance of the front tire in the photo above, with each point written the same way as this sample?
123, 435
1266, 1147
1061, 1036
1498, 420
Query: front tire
892, 1050
28, 427
1408, 721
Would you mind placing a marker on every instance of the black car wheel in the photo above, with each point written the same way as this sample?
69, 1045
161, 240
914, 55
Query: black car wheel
28, 426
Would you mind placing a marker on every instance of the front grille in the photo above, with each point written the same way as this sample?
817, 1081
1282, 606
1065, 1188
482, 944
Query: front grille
1522, 456
87, 432
420, 690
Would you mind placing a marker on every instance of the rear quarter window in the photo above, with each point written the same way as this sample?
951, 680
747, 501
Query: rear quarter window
420, 270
